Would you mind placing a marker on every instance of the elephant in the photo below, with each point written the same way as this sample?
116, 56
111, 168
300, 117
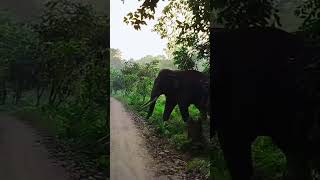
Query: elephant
259, 90
182, 88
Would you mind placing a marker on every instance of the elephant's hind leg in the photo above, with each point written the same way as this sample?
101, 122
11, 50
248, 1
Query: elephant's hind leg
237, 154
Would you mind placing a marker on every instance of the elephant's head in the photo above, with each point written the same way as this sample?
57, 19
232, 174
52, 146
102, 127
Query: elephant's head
167, 82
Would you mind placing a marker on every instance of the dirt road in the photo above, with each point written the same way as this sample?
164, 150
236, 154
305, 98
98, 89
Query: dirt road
21, 155
129, 157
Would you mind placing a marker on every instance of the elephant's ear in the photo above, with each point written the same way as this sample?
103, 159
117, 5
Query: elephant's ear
175, 82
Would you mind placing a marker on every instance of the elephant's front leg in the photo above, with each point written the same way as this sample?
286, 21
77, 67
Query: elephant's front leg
237, 154
184, 111
170, 104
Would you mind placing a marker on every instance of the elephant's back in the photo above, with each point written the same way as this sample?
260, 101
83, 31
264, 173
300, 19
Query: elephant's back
195, 83
193, 75
254, 43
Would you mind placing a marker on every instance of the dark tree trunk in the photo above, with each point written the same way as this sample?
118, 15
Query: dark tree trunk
39, 94
17, 91
3, 92
50, 100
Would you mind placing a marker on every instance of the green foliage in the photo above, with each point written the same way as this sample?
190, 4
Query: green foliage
180, 141
117, 62
309, 11
146, 11
58, 14
268, 158
135, 78
163, 62
184, 23
183, 60
117, 81
18, 41
199, 166
83, 128
200, 9
115, 59
239, 13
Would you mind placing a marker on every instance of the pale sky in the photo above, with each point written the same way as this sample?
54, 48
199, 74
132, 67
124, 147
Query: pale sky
132, 43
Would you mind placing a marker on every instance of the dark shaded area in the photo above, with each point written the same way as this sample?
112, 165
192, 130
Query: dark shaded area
24, 10
260, 89
57, 67
265, 83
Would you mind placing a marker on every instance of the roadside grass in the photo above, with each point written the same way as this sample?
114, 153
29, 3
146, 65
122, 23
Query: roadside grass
198, 165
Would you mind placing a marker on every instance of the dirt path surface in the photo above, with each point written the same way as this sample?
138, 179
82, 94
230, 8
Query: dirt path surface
129, 157
22, 157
